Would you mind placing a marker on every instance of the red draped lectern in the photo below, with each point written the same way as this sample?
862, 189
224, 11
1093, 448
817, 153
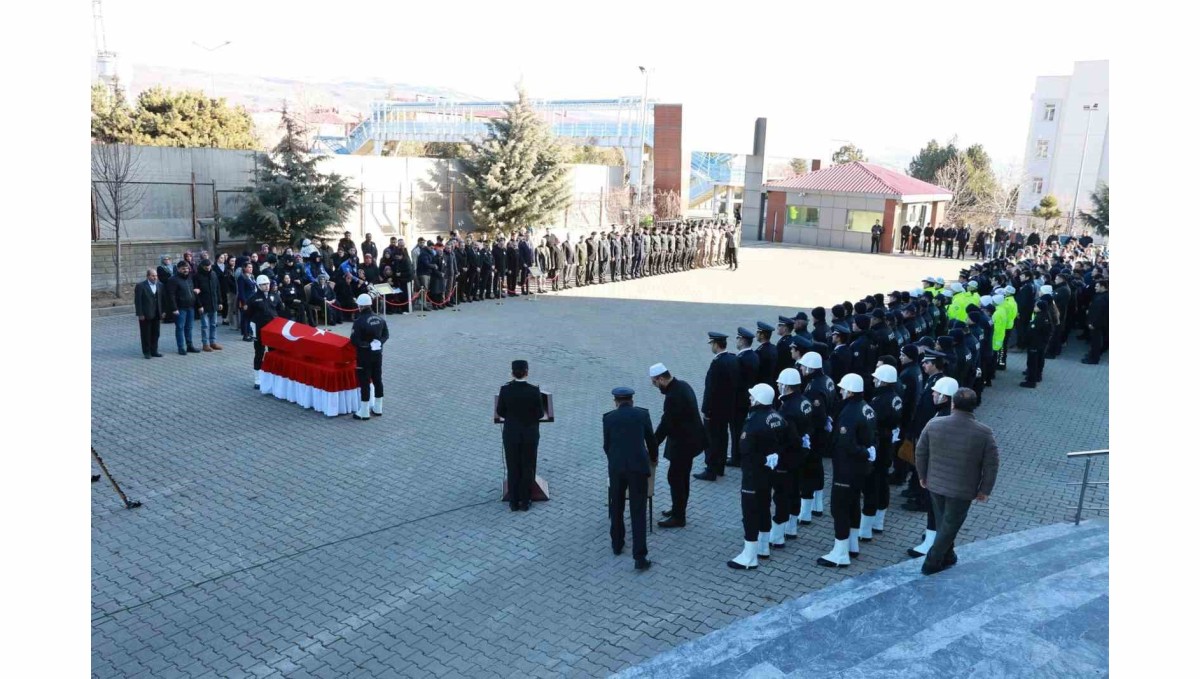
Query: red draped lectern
310, 367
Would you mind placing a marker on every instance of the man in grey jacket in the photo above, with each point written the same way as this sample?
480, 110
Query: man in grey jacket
957, 461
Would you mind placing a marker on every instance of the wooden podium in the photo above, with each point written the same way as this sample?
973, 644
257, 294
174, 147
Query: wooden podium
540, 492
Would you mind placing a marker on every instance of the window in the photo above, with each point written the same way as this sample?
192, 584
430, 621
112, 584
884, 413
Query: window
1037, 185
862, 220
1048, 112
800, 215
1043, 148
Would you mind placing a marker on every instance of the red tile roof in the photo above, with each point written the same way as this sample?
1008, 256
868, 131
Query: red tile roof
860, 177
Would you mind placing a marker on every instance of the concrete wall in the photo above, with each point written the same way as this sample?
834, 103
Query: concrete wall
830, 231
407, 197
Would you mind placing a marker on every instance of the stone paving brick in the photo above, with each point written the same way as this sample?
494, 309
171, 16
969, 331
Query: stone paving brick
275, 541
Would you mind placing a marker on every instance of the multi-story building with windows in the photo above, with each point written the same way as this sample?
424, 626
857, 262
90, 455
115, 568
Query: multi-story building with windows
1068, 137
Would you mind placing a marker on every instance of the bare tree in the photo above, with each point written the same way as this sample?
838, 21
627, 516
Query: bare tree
668, 205
116, 195
954, 176
1001, 202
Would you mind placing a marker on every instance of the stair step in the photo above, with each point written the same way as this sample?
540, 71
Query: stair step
882, 610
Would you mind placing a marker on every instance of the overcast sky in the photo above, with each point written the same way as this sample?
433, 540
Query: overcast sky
888, 76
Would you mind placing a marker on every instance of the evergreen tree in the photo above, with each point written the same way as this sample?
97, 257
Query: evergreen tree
1047, 209
798, 165
516, 176
932, 158
1098, 217
162, 117
291, 199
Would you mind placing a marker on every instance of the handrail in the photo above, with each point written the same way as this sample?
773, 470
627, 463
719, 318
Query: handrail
1087, 456
1088, 453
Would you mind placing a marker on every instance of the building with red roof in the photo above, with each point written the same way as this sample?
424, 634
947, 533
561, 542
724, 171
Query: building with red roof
836, 207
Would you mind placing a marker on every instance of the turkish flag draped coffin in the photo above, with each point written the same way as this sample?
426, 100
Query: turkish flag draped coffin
309, 366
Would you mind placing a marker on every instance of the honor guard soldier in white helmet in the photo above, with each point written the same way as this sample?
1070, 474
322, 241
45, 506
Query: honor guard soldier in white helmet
368, 335
853, 453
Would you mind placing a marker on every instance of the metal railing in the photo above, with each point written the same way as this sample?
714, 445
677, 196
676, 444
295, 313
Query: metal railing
1087, 456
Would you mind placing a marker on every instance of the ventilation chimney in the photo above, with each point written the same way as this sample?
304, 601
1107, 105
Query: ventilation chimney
815, 165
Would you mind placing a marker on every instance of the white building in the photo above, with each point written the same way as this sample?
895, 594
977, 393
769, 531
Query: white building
1056, 145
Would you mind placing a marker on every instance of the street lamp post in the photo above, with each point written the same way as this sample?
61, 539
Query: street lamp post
211, 77
1082, 157
642, 143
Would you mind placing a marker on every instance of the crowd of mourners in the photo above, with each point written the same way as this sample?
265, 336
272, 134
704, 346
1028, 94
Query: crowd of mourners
952, 241
319, 282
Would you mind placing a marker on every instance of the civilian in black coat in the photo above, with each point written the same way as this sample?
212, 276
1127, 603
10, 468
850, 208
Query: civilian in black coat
149, 302
683, 432
747, 361
520, 406
718, 406
1097, 323
631, 448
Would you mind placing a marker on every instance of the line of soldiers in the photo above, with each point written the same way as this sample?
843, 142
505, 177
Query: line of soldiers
857, 387
625, 253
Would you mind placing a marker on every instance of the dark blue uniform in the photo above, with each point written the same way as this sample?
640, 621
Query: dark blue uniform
631, 448
766, 432
798, 461
720, 392
368, 329
520, 405
747, 361
854, 433
889, 413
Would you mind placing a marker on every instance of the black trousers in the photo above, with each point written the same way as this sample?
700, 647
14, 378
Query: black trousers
1097, 343
512, 281
149, 329
520, 458
638, 485
369, 370
876, 492
937, 248
732, 255
845, 507
679, 478
750, 505
926, 246
950, 514
875, 244
962, 249
1035, 359
259, 352
776, 483
718, 443
738, 423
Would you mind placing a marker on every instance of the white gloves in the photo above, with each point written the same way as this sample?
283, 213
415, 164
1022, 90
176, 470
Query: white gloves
828, 424
895, 434
806, 442
376, 345
772, 460
252, 328
979, 372
871, 453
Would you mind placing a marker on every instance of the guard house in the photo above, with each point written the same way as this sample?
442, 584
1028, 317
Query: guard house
836, 207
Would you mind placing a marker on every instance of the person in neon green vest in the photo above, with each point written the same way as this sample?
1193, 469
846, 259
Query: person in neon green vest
1000, 324
930, 284
957, 311
1010, 307
973, 292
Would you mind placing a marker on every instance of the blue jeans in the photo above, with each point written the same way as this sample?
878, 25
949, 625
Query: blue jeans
183, 328
208, 327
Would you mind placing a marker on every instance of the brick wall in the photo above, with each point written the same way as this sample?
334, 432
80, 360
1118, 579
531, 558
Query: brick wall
668, 148
135, 259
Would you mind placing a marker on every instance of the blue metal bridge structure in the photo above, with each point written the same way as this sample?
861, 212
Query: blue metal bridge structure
710, 171
613, 123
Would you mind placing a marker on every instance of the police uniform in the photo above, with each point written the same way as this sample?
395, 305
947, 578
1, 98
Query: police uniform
888, 406
819, 390
766, 356
764, 435
853, 446
800, 462
631, 449
264, 307
718, 407
747, 361
368, 335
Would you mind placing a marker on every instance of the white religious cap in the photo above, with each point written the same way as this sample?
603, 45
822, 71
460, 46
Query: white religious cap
657, 369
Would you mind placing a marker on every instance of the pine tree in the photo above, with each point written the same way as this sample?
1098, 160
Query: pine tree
291, 199
516, 177
1097, 218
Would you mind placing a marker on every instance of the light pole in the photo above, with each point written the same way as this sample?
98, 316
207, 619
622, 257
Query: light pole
642, 144
1082, 157
211, 78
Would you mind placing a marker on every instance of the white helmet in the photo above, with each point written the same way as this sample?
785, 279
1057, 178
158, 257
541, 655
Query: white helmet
1045, 290
789, 377
262, 280
851, 382
885, 373
948, 294
956, 286
1010, 290
812, 360
363, 300
762, 394
997, 299
946, 386
915, 292
985, 300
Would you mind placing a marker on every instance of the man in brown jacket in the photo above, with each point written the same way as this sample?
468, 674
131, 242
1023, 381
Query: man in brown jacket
957, 461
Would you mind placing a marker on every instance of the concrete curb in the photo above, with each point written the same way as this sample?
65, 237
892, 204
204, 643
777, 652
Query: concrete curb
112, 311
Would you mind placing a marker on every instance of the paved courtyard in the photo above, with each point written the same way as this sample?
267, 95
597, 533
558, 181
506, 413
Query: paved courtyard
277, 542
